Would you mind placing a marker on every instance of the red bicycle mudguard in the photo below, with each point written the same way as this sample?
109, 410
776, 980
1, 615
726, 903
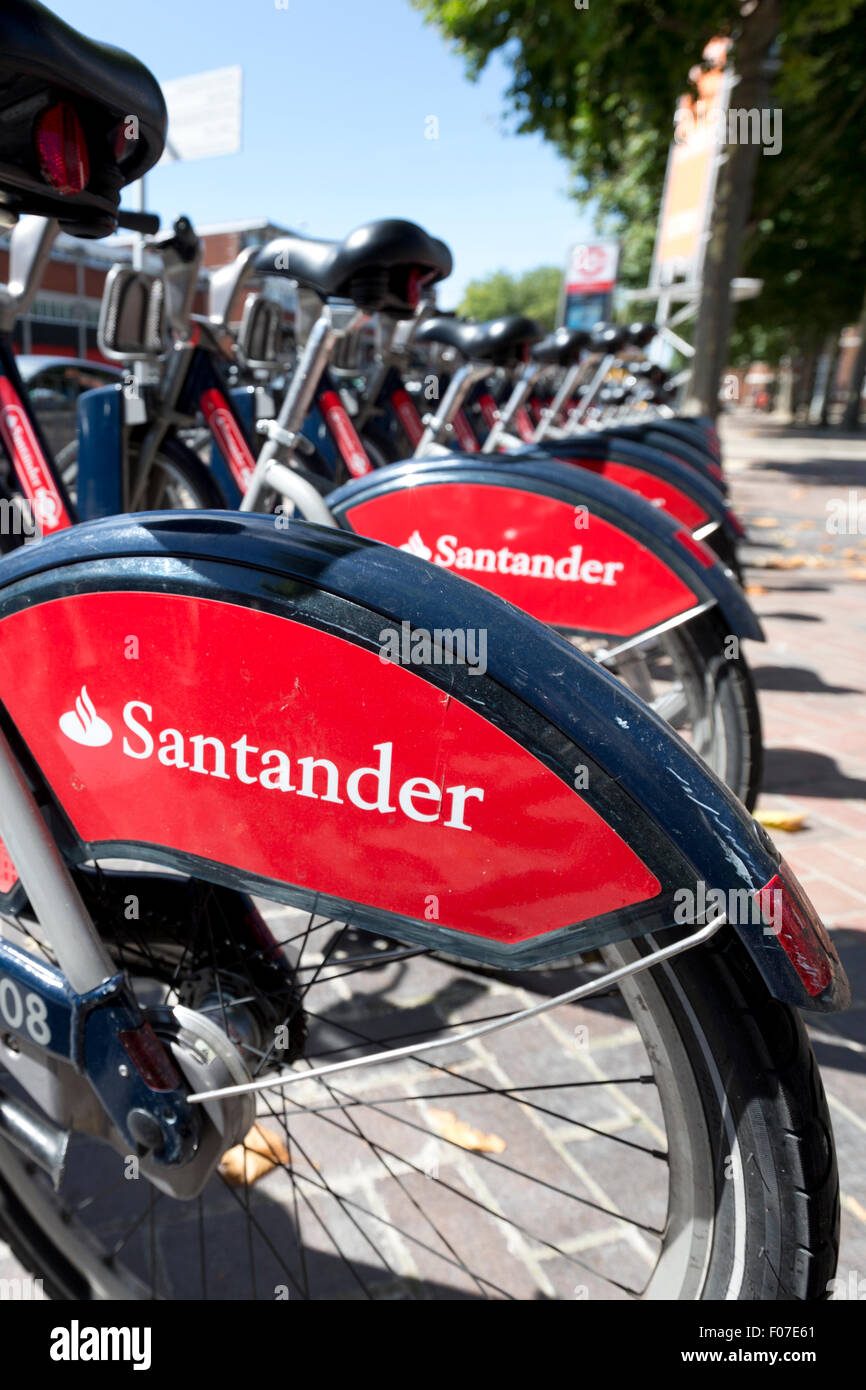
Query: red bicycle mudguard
571, 548
205, 693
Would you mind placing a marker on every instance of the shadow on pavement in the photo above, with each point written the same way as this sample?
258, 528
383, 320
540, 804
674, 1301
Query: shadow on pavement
797, 678
820, 472
849, 1052
799, 771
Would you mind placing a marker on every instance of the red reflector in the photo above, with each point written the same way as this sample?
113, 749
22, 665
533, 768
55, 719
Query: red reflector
151, 1060
62, 149
697, 548
734, 522
788, 912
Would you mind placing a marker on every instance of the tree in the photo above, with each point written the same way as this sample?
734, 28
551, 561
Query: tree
755, 37
601, 84
535, 293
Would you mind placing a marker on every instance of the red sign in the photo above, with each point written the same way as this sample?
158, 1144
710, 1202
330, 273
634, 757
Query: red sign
408, 416
30, 464
555, 561
658, 491
465, 434
254, 741
8, 872
592, 267
228, 435
352, 451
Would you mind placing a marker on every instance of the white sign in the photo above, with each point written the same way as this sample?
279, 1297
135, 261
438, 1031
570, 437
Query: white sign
592, 267
204, 114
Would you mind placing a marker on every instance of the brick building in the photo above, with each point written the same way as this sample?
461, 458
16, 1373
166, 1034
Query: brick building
62, 319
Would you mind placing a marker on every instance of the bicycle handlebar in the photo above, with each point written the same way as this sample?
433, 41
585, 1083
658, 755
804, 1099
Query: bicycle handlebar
145, 222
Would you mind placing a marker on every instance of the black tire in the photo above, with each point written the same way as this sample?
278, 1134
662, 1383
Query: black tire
188, 471
750, 1142
737, 702
776, 1199
721, 688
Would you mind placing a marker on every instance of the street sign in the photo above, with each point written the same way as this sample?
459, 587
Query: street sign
693, 165
204, 114
590, 277
592, 267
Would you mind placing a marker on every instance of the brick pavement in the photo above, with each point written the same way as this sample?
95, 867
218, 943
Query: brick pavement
812, 680
811, 675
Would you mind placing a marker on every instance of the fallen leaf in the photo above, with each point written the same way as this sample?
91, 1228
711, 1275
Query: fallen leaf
825, 549
791, 562
765, 521
781, 820
463, 1134
259, 1154
755, 589
804, 525
849, 553
858, 573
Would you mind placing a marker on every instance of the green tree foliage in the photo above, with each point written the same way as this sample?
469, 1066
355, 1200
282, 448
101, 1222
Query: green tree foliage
535, 293
601, 84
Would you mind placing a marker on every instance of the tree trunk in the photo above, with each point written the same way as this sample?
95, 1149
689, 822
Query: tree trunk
730, 214
805, 378
821, 384
784, 406
851, 413
827, 403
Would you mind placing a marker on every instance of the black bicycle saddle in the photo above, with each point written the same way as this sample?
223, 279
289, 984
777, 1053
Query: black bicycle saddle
499, 341
382, 266
562, 348
79, 121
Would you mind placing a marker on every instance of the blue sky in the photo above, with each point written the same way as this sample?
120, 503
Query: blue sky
336, 97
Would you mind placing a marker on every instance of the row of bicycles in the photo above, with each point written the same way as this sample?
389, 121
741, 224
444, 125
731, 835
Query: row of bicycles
375, 737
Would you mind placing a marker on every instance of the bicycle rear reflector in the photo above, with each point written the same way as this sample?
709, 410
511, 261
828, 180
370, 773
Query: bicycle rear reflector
62, 149
790, 916
697, 548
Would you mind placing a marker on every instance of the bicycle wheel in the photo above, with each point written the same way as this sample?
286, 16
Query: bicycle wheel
668, 1140
175, 482
710, 699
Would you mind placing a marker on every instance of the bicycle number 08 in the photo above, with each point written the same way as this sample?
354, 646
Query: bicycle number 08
26, 1013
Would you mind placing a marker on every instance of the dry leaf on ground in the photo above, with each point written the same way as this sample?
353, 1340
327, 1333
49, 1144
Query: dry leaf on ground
261, 1152
857, 573
463, 1134
781, 820
755, 589
793, 562
764, 521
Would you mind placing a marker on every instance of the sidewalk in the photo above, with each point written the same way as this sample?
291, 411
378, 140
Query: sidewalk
808, 585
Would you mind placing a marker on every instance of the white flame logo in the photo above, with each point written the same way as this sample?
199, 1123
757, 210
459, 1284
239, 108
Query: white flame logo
416, 546
83, 724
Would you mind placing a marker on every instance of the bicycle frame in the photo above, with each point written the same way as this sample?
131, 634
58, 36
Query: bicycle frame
51, 508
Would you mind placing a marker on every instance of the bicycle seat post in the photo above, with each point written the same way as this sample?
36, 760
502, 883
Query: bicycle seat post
566, 390
458, 387
283, 432
522, 387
